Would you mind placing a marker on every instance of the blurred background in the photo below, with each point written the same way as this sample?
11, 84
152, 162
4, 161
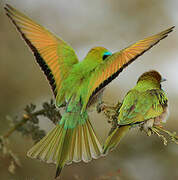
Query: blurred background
114, 24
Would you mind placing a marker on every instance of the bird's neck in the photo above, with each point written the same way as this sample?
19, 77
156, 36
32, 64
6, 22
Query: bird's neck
86, 66
146, 85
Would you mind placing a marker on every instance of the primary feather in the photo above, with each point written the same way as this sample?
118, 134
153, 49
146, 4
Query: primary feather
114, 64
54, 56
75, 84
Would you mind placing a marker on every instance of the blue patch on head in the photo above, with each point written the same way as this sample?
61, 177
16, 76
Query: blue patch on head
106, 54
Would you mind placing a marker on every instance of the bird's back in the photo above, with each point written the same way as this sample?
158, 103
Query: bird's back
142, 105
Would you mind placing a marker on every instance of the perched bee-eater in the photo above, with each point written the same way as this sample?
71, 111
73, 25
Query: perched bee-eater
145, 104
76, 84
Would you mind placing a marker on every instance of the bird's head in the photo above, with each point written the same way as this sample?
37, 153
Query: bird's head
98, 54
151, 76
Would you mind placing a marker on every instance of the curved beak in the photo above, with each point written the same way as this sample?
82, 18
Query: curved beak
163, 79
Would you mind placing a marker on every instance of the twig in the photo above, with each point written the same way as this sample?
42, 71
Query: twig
172, 135
156, 131
25, 118
28, 125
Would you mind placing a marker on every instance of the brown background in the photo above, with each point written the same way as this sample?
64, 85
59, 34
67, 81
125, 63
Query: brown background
114, 24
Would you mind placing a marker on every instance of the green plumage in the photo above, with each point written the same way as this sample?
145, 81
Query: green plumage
74, 84
144, 103
77, 137
73, 139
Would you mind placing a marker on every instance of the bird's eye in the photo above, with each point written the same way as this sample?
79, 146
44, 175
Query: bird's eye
106, 54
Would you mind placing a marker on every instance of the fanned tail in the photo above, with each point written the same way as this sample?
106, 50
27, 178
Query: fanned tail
114, 138
84, 144
63, 145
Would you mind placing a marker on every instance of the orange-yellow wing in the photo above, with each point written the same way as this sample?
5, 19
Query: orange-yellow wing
114, 64
54, 56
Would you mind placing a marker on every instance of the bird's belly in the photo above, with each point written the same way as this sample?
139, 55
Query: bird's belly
157, 120
162, 118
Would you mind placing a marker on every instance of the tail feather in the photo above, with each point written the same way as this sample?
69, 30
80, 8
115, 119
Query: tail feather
48, 152
49, 156
58, 171
57, 151
86, 144
114, 138
79, 145
65, 145
43, 149
64, 150
35, 151
94, 143
72, 149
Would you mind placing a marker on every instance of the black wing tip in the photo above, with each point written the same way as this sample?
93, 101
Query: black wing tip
107, 81
166, 32
8, 7
37, 55
58, 172
170, 30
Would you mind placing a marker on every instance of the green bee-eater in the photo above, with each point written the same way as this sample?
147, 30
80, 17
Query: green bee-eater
145, 104
75, 84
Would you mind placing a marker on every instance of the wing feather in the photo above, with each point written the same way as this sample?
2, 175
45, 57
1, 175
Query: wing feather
139, 106
113, 65
54, 56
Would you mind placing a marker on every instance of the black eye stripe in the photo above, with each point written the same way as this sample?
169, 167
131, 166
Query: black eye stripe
105, 56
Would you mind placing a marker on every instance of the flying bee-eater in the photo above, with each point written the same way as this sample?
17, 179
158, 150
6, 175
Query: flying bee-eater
75, 84
145, 104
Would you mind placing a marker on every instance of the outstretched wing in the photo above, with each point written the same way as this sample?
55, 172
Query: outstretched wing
54, 56
113, 65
